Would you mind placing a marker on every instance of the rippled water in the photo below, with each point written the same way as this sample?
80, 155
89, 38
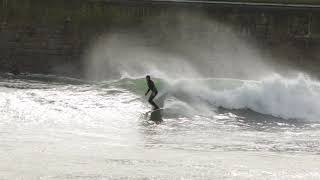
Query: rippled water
59, 128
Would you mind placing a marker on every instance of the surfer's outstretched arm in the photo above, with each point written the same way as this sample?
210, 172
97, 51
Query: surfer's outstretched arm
147, 92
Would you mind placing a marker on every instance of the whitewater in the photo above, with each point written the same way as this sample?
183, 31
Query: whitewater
55, 127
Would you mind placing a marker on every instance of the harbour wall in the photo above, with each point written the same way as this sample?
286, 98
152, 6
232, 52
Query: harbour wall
44, 36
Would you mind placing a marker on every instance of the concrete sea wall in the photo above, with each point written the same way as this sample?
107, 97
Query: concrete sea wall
45, 36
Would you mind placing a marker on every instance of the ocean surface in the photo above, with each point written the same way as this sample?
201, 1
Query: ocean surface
56, 128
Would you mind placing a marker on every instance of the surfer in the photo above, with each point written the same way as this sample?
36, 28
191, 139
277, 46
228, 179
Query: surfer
154, 92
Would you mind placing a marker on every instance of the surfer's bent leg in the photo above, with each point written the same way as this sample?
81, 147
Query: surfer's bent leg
152, 96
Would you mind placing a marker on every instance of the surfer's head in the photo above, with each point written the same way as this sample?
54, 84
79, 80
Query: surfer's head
148, 77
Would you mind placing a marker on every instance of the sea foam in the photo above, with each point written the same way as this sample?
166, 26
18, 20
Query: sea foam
296, 98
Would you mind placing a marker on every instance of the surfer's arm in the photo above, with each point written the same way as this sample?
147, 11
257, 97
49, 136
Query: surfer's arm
147, 91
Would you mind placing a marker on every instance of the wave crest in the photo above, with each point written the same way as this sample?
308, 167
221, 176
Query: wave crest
297, 98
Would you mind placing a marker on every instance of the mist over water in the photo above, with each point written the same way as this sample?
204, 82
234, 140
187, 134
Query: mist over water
191, 46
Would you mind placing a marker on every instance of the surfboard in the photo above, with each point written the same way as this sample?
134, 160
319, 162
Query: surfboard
155, 110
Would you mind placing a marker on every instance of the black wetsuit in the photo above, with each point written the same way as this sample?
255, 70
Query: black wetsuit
154, 93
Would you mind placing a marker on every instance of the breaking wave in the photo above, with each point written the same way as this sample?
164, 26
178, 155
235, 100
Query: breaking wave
296, 98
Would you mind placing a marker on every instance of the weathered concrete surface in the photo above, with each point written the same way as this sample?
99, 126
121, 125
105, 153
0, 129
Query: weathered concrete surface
44, 36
